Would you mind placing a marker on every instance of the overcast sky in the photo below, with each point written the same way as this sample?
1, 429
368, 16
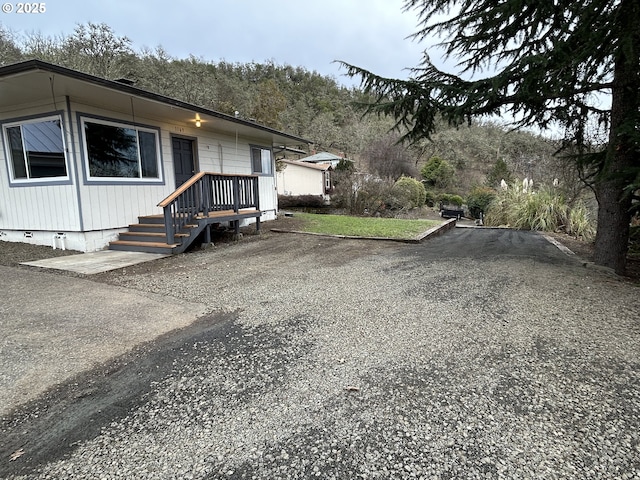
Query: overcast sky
311, 34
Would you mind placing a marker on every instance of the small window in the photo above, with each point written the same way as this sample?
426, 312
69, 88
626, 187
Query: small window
36, 149
121, 151
261, 160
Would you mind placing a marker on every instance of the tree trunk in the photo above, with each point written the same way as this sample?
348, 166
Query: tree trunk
614, 216
612, 238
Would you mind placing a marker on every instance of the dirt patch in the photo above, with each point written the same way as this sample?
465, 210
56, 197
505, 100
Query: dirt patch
13, 254
585, 250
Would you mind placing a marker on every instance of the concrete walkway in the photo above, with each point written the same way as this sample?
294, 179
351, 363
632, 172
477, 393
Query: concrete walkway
96, 262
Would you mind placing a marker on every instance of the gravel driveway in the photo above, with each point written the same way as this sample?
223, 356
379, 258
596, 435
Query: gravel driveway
478, 354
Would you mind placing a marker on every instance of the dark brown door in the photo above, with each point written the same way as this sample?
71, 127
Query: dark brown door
183, 160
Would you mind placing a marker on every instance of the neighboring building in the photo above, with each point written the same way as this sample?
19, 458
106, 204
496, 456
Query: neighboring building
323, 157
84, 157
288, 153
300, 178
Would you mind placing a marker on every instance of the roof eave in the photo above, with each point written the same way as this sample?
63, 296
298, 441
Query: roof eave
34, 65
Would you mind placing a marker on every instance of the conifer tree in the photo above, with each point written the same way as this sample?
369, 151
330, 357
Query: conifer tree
548, 63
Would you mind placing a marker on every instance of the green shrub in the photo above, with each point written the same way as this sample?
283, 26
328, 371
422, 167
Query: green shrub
450, 199
438, 173
430, 198
407, 193
479, 199
345, 165
542, 210
499, 171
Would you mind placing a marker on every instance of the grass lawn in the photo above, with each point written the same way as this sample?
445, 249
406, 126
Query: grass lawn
364, 227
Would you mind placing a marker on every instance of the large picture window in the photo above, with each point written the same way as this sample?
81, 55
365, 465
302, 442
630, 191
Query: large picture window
121, 151
36, 149
261, 160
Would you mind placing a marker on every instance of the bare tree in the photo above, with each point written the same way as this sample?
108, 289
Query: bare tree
96, 49
9, 51
389, 159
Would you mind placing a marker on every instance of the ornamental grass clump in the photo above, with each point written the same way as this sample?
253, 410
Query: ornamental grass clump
580, 224
503, 210
543, 210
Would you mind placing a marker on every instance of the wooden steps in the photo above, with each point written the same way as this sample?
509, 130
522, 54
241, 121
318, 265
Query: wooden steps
149, 235
150, 247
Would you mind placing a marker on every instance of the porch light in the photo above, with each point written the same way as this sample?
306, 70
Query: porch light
198, 123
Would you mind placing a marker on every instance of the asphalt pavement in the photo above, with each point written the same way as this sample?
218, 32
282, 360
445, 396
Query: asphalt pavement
53, 327
477, 354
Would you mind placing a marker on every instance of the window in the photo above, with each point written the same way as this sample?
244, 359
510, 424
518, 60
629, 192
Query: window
36, 149
327, 181
120, 151
261, 160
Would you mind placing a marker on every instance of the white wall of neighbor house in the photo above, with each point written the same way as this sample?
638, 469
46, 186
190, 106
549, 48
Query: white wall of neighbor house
91, 213
297, 180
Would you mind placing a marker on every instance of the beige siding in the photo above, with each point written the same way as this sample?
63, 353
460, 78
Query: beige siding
296, 180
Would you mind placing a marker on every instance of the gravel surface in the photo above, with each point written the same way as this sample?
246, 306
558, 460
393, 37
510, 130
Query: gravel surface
343, 359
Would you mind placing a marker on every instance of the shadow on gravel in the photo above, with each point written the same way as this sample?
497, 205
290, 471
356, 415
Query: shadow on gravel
50, 427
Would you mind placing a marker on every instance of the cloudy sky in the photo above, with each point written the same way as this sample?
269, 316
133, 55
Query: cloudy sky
367, 33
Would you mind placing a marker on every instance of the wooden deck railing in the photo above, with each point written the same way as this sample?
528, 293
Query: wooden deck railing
205, 193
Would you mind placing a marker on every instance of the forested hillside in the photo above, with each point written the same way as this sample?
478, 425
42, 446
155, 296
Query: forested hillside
299, 101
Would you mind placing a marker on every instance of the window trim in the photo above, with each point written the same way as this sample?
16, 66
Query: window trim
327, 181
89, 179
272, 163
35, 181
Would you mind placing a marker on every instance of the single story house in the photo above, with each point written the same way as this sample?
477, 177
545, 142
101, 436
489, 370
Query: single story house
85, 160
301, 178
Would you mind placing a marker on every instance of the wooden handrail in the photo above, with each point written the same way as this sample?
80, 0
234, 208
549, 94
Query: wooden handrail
193, 180
204, 193
181, 189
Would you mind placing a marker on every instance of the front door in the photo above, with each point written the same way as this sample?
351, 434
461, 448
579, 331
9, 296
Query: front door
184, 162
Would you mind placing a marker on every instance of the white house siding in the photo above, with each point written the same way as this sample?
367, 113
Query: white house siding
220, 154
268, 198
37, 207
116, 206
89, 215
